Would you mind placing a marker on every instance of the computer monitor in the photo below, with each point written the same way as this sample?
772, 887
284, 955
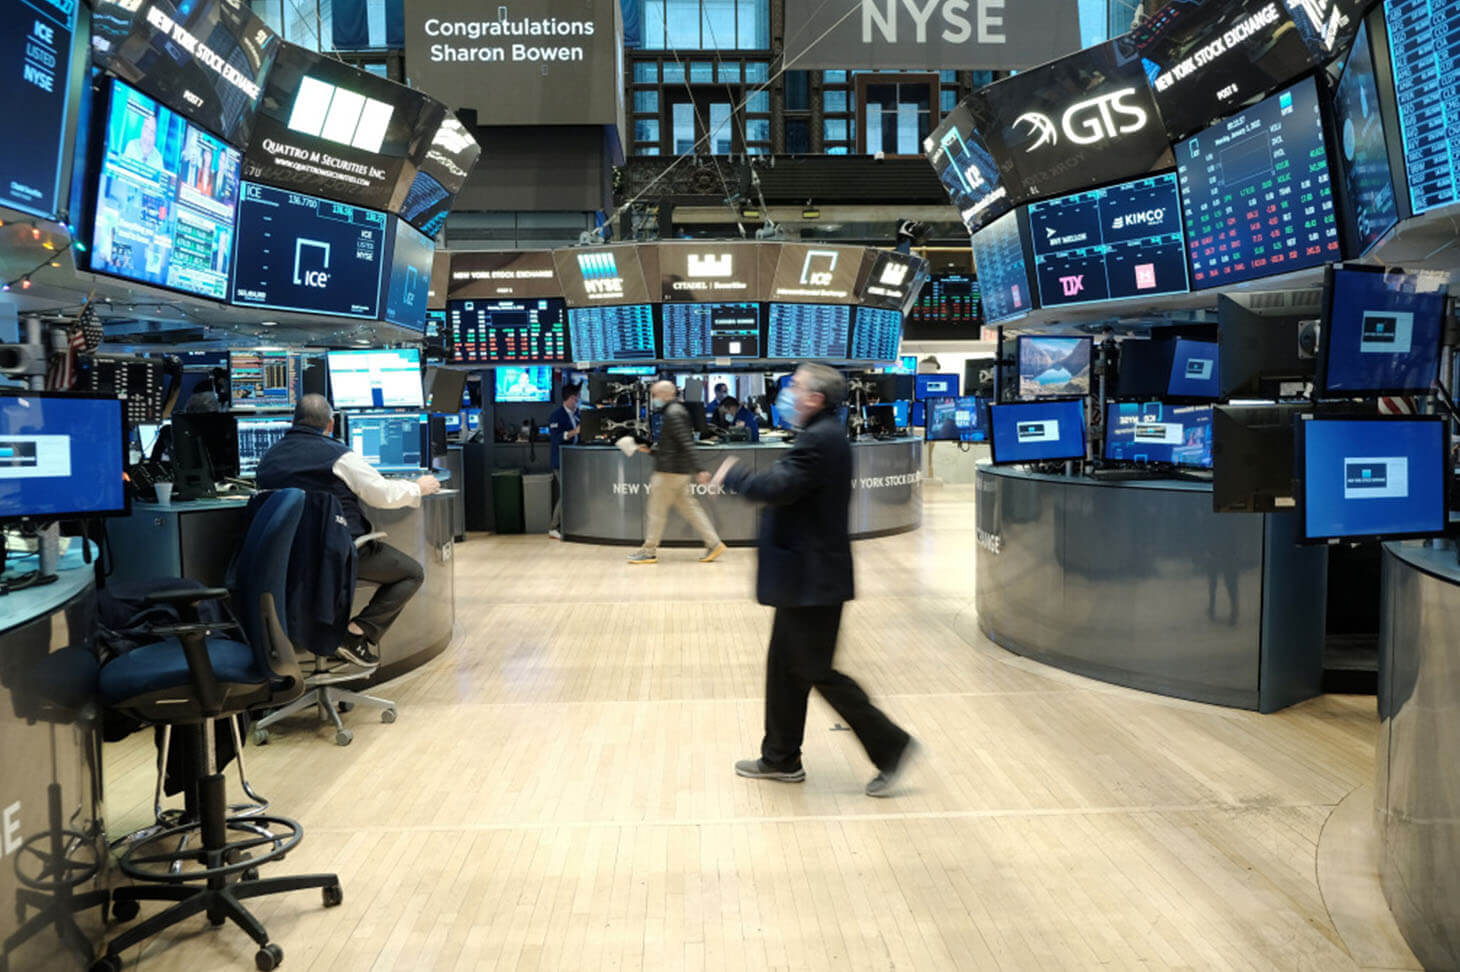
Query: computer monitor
1037, 431
263, 379
906, 364
1194, 371
1252, 457
1155, 433
599, 423
935, 386
147, 436
902, 413
395, 442
956, 419
204, 451
893, 387
61, 456
1145, 368
879, 420
978, 376
453, 422
524, 384
1382, 332
1053, 367
257, 434
445, 388
376, 378
1258, 354
1372, 478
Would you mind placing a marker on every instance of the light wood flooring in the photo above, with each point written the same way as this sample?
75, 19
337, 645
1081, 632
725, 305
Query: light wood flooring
558, 793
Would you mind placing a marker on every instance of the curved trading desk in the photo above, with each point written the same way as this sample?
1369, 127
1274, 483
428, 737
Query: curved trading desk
1141, 584
1417, 787
605, 492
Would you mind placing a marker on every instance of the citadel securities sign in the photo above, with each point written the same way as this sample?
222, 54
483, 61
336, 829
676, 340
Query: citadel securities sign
985, 35
521, 62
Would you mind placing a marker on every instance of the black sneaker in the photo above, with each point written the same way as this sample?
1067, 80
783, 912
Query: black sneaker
759, 769
356, 650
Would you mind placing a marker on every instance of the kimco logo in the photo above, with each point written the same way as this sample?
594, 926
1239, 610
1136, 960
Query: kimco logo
1151, 217
1090, 121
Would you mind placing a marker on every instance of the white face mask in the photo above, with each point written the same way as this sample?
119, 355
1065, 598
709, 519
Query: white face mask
786, 405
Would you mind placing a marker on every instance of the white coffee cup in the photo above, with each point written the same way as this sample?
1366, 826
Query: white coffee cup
164, 493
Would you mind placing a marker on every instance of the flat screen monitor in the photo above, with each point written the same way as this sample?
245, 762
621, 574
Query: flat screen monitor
1116, 243
1053, 367
203, 362
979, 375
408, 283
524, 384
949, 303
394, 442
979, 189
1257, 355
956, 419
1156, 433
879, 420
612, 334
301, 253
1252, 457
515, 331
1255, 192
257, 434
445, 390
1003, 275
263, 379
645, 371
1381, 334
1425, 61
377, 378
1377, 478
935, 386
1044, 431
165, 199
1145, 368
453, 423
147, 436
876, 334
61, 456
37, 35
1363, 150
703, 332
906, 364
805, 331
1194, 371
214, 434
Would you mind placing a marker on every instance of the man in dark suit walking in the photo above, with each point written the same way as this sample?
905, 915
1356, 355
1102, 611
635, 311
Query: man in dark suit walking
805, 573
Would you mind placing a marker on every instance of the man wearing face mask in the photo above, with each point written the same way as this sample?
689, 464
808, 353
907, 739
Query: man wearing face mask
675, 461
805, 573
732, 415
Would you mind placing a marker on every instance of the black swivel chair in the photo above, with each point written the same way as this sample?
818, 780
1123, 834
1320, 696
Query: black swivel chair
189, 680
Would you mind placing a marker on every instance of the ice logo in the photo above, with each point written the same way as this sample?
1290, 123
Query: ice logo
813, 273
311, 278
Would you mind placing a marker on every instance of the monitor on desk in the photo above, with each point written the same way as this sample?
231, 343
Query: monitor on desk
395, 442
880, 420
956, 419
61, 456
376, 378
1252, 457
1155, 433
936, 386
257, 434
1372, 478
1037, 431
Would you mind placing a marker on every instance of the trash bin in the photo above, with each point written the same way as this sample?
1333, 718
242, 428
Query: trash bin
537, 502
507, 500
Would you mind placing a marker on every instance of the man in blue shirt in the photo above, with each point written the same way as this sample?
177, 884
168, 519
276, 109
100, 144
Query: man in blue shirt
733, 415
562, 427
722, 391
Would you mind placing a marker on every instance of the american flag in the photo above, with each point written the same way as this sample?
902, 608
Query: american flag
61, 370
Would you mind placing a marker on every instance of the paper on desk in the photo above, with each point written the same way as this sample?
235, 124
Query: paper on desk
627, 446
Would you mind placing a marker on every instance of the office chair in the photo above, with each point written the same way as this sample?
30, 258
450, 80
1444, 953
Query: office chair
188, 680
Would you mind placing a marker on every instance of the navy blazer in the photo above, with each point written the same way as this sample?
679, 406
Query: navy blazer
805, 556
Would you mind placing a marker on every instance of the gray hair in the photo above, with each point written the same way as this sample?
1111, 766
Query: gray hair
825, 380
314, 411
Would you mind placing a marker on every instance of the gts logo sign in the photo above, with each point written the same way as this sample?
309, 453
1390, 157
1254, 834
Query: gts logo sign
1087, 122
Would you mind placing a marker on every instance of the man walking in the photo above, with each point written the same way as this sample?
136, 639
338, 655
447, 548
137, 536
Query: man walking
562, 427
805, 573
675, 460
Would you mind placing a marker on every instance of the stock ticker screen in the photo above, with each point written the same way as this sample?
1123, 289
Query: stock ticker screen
809, 331
951, 299
508, 331
998, 255
624, 332
877, 334
1424, 47
1256, 192
700, 332
1114, 243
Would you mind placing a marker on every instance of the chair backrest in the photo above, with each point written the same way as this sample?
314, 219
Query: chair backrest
261, 571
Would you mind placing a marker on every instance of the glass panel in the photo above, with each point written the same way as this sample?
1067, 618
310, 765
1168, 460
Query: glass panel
911, 126
717, 25
683, 17
378, 69
835, 129
758, 103
947, 101
729, 72
646, 130
270, 12
948, 77
646, 71
684, 128
673, 72
798, 136
757, 150
835, 102
833, 77
758, 71
653, 33
798, 91
754, 21
982, 78
648, 150
722, 131
758, 130
646, 101
872, 118
701, 72
837, 150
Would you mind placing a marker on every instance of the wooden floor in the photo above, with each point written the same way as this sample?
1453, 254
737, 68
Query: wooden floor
558, 793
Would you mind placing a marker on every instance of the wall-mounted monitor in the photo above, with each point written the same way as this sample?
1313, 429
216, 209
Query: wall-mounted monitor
61, 455
302, 253
1256, 194
1053, 367
441, 166
955, 419
817, 273
1003, 274
605, 335
709, 272
1044, 431
1426, 65
511, 331
35, 43
1155, 433
1194, 372
524, 384
1382, 331
704, 332
263, 379
376, 378
796, 332
935, 386
876, 334
408, 281
950, 306
394, 442
1371, 208
1372, 478
165, 199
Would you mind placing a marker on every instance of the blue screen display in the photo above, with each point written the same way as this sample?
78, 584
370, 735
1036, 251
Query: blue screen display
453, 422
296, 252
701, 332
1003, 276
623, 333
956, 419
60, 455
392, 442
1424, 46
936, 386
1372, 477
35, 46
901, 413
1194, 370
165, 199
877, 334
519, 384
378, 378
1037, 431
800, 331
1154, 432
1381, 335
409, 283
1363, 153
906, 365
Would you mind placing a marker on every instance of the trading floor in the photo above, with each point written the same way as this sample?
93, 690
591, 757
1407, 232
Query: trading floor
558, 793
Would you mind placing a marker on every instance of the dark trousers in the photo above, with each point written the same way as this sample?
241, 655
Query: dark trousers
399, 578
803, 641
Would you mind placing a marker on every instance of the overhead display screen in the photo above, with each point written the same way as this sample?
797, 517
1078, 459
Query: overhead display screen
1154, 432
495, 275
977, 187
299, 253
1110, 244
817, 274
441, 168
998, 254
408, 286
702, 332
1363, 153
949, 303
165, 199
206, 59
1256, 194
1207, 57
35, 46
509, 331
1424, 46
1381, 332
611, 334
602, 275
709, 272
876, 334
797, 331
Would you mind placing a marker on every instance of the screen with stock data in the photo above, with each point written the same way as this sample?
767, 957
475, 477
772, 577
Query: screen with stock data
700, 332
1424, 47
508, 331
623, 332
876, 334
998, 255
799, 331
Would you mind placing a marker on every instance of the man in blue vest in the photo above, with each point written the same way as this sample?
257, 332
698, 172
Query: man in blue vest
308, 458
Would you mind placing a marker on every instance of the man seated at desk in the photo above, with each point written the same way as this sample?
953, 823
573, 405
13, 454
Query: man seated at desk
308, 458
732, 415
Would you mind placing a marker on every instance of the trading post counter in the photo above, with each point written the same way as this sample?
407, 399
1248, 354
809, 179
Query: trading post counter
605, 493
1141, 584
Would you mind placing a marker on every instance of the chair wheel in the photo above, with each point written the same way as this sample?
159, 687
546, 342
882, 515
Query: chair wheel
343, 737
216, 920
334, 896
124, 909
387, 715
107, 963
269, 957
249, 874
345, 706
260, 737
